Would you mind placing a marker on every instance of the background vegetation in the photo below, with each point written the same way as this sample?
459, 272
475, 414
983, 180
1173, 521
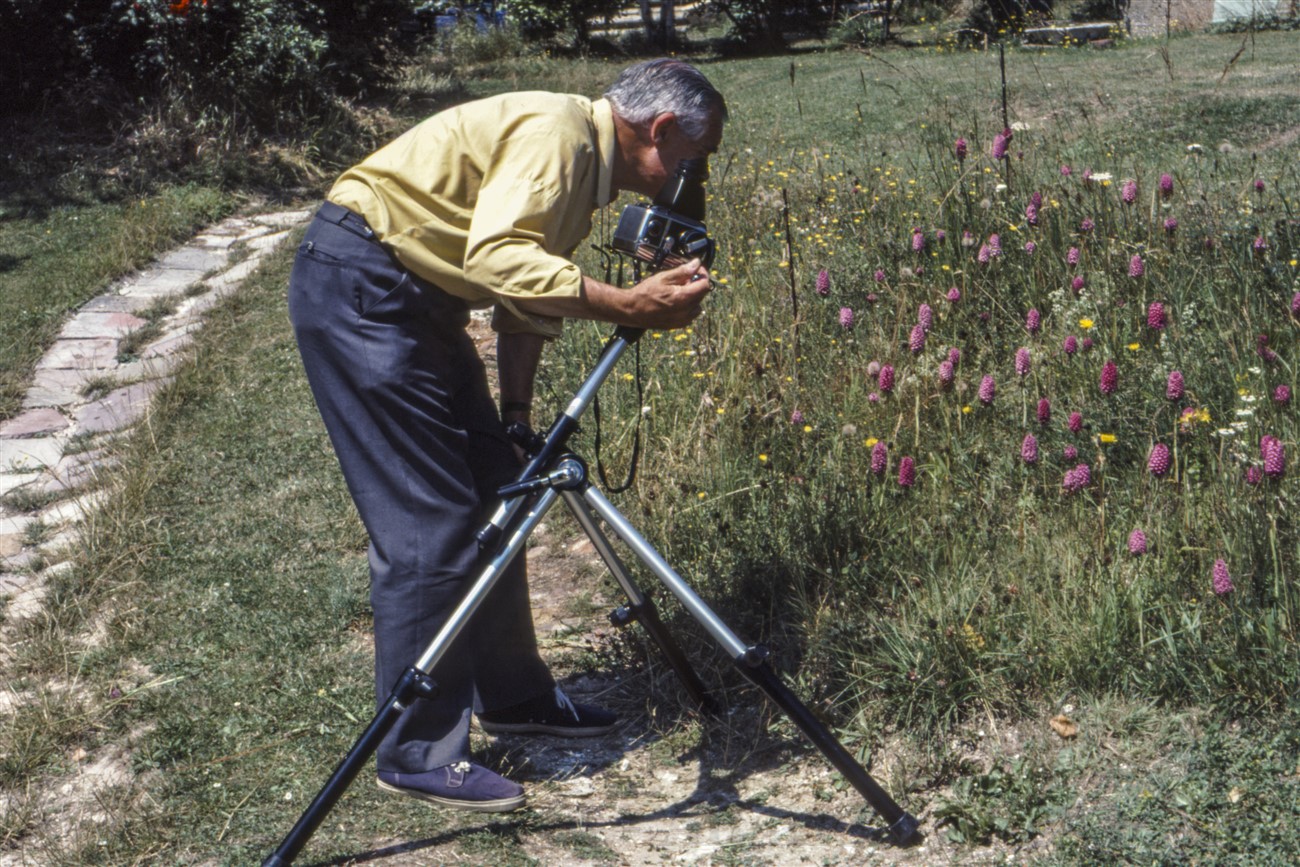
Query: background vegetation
958, 583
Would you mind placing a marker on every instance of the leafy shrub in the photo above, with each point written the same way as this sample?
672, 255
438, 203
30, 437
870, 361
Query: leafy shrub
859, 29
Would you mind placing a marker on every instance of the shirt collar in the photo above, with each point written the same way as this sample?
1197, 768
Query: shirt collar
603, 115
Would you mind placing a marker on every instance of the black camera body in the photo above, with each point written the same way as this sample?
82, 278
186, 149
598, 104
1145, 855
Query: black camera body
670, 231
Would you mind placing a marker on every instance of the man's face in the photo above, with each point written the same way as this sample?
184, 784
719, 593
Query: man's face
669, 145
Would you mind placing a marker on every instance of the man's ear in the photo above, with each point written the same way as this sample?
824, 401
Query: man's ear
661, 126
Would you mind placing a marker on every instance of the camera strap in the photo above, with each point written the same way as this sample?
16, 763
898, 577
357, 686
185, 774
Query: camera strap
640, 401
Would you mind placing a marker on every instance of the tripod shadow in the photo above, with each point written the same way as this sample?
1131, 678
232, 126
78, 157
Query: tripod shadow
732, 747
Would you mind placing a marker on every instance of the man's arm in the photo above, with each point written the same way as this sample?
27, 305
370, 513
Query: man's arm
517, 357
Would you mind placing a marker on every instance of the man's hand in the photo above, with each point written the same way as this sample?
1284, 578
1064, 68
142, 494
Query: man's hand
668, 299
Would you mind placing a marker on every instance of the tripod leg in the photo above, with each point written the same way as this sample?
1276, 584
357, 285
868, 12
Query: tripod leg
414, 684
751, 661
640, 607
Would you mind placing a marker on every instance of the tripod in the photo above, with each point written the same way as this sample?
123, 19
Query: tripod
552, 473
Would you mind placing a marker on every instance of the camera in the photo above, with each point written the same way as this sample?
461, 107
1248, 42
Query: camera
670, 231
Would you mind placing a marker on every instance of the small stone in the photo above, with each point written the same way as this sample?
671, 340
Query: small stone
34, 422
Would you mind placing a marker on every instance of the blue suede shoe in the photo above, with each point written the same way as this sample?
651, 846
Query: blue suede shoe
460, 785
551, 713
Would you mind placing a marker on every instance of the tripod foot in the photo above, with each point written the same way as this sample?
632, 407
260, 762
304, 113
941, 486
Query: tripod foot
903, 831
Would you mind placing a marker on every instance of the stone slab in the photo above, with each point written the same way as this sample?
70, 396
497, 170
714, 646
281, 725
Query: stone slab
15, 525
118, 409
72, 511
98, 353
34, 422
93, 323
268, 242
215, 241
156, 367
168, 345
79, 470
161, 283
10, 482
282, 219
191, 310
57, 387
23, 455
114, 303
193, 258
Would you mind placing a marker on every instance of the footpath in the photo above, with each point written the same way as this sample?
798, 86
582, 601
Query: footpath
96, 383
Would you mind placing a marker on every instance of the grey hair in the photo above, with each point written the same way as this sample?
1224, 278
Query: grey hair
646, 90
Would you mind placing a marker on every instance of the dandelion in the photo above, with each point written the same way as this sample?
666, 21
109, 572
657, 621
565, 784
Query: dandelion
1072, 257
1137, 542
1221, 580
1070, 453
1044, 411
1075, 423
885, 380
1033, 320
984, 254
1070, 345
1254, 475
1030, 247
925, 316
1129, 192
916, 342
1087, 225
1109, 379
1166, 185
945, 374
1029, 449
1171, 226
796, 418
1000, 143
1282, 395
1174, 385
906, 472
1022, 361
1135, 266
988, 389
879, 458
823, 282
960, 148
1274, 458
1156, 316
954, 295
846, 318
1158, 461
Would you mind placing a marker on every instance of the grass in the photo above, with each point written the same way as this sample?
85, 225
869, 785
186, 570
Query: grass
228, 575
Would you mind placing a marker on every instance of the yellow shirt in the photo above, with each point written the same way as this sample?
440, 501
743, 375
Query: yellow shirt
488, 200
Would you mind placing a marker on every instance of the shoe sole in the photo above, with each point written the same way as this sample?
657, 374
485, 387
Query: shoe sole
542, 729
500, 805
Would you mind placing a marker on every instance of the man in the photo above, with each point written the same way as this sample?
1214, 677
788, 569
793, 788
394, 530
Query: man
480, 205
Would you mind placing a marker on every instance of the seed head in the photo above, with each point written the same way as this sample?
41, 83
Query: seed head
1158, 461
1222, 581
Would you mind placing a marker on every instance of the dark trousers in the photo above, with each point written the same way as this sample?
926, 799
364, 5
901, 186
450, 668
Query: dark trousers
405, 399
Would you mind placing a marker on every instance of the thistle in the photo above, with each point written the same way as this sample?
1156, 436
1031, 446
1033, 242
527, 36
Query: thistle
1029, 449
1044, 411
906, 472
1156, 316
823, 282
1221, 580
1174, 385
1158, 462
1137, 542
1136, 268
988, 390
1166, 185
1259, 185
1022, 361
879, 458
1109, 379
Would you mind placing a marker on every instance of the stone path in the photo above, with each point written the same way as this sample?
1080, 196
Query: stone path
97, 381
